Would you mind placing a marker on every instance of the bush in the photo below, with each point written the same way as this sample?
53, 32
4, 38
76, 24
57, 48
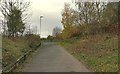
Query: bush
51, 38
59, 36
33, 40
72, 31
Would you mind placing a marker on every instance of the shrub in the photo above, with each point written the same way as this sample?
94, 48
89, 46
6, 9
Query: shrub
72, 31
33, 40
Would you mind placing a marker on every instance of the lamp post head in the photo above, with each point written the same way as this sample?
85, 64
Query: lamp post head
41, 16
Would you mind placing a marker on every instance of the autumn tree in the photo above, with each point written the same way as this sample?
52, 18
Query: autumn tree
119, 17
90, 17
119, 12
67, 20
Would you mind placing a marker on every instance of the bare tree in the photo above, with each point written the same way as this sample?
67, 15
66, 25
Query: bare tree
14, 13
56, 31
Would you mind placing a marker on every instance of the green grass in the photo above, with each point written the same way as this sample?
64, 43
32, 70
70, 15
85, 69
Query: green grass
69, 41
15, 47
12, 49
98, 53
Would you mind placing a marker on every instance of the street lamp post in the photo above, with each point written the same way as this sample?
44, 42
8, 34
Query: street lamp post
40, 25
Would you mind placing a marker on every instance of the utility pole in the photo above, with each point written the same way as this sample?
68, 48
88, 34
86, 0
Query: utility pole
4, 28
29, 29
36, 30
0, 27
40, 25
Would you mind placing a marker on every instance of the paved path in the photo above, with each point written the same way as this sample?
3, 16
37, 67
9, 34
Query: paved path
54, 58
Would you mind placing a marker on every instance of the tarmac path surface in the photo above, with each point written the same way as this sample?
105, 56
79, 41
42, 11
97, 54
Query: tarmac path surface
54, 58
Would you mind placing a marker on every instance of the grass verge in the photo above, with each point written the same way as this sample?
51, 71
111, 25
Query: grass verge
14, 47
99, 52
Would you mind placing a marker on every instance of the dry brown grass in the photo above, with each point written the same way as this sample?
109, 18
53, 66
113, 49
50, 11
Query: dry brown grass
98, 52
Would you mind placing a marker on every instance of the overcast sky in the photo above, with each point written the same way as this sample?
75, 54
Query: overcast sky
51, 11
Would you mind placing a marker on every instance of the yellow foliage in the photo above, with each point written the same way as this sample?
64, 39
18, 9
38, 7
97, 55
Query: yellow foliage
71, 32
